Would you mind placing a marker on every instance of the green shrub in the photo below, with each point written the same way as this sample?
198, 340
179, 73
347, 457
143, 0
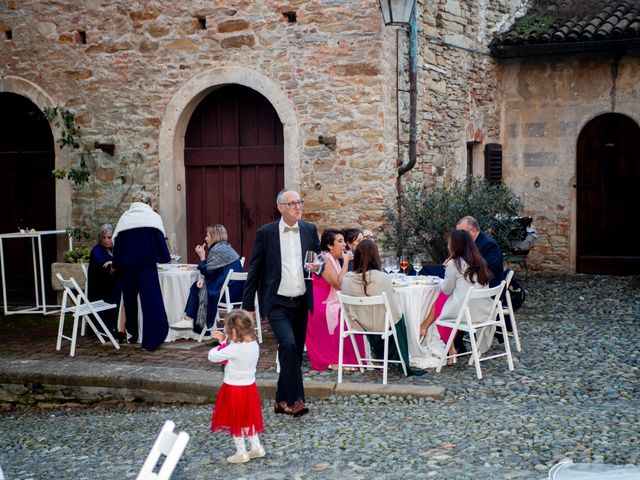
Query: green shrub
429, 213
77, 255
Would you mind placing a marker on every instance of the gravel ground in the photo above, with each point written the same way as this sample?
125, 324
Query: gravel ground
574, 393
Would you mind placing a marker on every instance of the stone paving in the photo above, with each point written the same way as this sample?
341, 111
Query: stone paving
574, 393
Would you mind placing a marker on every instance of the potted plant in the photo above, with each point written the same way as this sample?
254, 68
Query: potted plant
74, 259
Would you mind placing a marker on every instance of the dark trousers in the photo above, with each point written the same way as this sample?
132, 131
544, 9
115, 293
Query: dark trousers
144, 281
288, 320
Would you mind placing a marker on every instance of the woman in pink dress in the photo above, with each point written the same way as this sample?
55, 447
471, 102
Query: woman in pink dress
322, 333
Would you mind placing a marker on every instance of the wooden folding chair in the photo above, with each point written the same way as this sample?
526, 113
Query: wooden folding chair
346, 330
463, 322
82, 309
169, 444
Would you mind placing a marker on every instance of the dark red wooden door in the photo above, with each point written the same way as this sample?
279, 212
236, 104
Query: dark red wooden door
27, 191
608, 217
234, 166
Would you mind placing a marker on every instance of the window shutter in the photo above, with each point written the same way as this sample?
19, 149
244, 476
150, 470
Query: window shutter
493, 162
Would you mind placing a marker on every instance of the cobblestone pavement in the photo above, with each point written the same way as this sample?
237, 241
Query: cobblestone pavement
574, 393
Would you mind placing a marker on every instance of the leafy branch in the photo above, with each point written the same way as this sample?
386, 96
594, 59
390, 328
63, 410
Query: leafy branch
71, 137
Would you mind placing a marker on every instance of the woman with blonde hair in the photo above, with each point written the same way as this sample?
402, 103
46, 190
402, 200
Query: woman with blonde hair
217, 257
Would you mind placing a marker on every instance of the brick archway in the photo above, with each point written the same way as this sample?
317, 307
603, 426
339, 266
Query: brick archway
174, 126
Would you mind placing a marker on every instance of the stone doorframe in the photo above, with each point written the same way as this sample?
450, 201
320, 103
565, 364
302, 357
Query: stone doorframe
172, 196
573, 229
32, 91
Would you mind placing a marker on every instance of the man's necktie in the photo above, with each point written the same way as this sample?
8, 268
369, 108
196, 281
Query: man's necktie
295, 229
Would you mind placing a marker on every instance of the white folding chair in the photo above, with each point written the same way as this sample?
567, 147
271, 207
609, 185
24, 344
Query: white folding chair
169, 444
221, 303
508, 310
228, 305
463, 322
225, 305
81, 308
347, 330
85, 271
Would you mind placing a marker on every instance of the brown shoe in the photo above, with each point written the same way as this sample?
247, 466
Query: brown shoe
282, 407
299, 409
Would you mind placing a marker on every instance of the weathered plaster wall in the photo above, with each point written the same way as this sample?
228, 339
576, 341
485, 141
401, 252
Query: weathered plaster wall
545, 106
332, 65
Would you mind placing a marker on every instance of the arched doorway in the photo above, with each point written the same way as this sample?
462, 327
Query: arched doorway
27, 189
234, 165
608, 174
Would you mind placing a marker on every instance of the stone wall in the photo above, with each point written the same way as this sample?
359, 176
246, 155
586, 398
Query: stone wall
458, 84
546, 105
333, 63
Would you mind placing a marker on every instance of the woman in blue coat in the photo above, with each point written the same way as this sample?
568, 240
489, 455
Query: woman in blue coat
104, 281
217, 258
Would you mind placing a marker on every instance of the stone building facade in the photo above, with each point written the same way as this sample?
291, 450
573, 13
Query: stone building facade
133, 72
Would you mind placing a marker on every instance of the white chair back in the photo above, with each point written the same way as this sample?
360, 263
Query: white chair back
508, 310
346, 329
225, 305
74, 301
169, 444
464, 323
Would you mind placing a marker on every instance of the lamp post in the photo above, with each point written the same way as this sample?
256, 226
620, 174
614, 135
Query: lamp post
400, 13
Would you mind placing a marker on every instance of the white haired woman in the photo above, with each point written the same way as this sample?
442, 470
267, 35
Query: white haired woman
104, 280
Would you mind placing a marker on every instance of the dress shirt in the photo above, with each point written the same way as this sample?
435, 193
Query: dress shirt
292, 280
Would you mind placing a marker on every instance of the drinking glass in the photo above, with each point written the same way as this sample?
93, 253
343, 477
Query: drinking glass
387, 265
310, 258
395, 268
404, 263
417, 264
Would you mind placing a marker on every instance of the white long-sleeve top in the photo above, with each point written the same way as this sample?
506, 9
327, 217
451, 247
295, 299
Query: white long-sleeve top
242, 360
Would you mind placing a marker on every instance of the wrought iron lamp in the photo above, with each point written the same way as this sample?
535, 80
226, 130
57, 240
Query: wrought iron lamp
396, 12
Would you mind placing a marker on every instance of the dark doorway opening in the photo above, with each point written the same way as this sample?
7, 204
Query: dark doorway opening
608, 218
27, 192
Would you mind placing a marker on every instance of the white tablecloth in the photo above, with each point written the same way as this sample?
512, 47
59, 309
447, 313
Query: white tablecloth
415, 301
175, 284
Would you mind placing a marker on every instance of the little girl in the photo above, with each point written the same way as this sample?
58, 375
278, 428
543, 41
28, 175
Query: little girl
237, 409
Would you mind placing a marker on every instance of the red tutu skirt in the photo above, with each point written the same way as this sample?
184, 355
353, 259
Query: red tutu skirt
237, 410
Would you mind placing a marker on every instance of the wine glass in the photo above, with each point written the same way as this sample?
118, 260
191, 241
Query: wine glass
395, 268
387, 265
404, 263
310, 258
417, 264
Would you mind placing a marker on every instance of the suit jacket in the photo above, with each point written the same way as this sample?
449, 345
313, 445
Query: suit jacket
490, 251
265, 270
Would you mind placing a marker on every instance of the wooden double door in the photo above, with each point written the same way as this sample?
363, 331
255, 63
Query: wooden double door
608, 179
27, 192
234, 166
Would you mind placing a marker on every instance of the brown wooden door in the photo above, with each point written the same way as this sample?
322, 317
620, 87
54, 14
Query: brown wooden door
234, 166
608, 217
27, 191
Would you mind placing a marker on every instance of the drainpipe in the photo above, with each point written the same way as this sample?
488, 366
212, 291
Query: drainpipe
413, 94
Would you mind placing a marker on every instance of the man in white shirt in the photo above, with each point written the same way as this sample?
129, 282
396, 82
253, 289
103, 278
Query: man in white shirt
276, 272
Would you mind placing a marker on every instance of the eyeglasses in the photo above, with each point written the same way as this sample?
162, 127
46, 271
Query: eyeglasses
299, 203
370, 237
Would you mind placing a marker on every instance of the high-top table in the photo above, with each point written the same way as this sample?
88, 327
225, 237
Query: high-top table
41, 305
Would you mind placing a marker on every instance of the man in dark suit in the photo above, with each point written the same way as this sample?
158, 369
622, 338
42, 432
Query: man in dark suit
490, 251
489, 248
285, 297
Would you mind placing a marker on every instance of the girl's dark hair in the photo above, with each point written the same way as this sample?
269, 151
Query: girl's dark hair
464, 248
239, 324
366, 258
328, 237
350, 234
